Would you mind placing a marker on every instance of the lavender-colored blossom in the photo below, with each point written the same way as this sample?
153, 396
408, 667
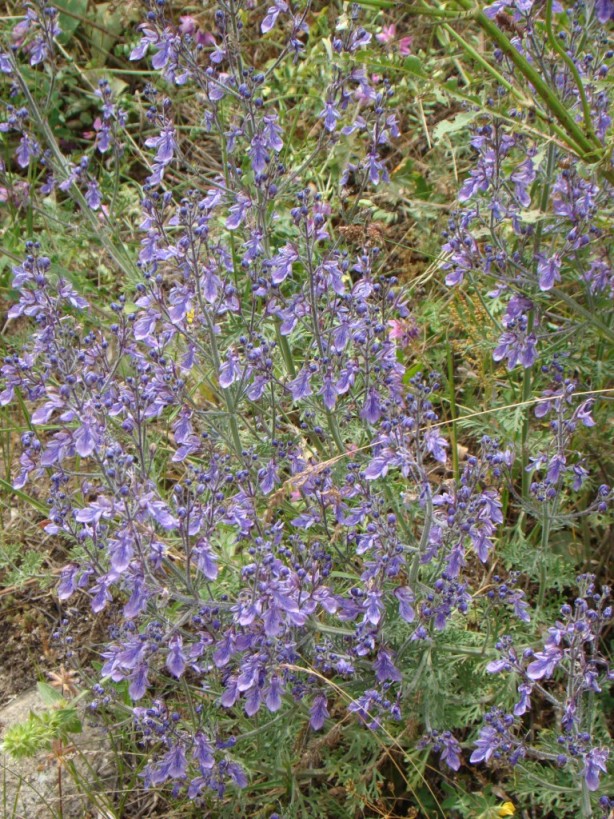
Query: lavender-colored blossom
371, 411
548, 270
273, 12
604, 9
318, 712
385, 669
330, 115
92, 195
175, 659
165, 144
203, 753
595, 764
545, 663
450, 750
5, 63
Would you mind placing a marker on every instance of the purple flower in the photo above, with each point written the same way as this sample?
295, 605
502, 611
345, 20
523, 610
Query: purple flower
272, 14
405, 597
496, 666
68, 582
268, 477
272, 132
524, 703
203, 753
436, 444
258, 154
583, 413
5, 63
237, 212
281, 264
371, 411
229, 371
329, 393
318, 712
450, 750
273, 694
138, 682
175, 659
517, 348
548, 270
545, 663
85, 441
373, 607
385, 669
300, 387
253, 701
92, 195
165, 143
604, 10
594, 765
330, 115
27, 150
523, 177
206, 560
486, 745
174, 763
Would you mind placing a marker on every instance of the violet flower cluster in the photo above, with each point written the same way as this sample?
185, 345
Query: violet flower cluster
250, 480
571, 656
529, 227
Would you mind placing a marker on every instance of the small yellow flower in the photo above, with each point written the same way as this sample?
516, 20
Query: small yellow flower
505, 809
190, 317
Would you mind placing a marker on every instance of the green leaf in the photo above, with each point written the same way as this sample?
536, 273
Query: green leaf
411, 371
531, 217
413, 65
69, 722
48, 694
70, 22
377, 4
109, 18
452, 126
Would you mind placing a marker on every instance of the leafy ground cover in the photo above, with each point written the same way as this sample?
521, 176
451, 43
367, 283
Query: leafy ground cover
307, 367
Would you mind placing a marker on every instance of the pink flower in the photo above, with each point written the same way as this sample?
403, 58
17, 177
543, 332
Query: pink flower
404, 332
404, 46
187, 24
387, 34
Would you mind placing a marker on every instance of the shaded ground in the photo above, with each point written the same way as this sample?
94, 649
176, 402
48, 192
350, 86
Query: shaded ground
28, 618
28, 651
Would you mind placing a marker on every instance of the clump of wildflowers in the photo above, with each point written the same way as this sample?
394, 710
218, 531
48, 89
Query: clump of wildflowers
570, 654
253, 477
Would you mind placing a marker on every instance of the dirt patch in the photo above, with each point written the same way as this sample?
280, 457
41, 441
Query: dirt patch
28, 617
30, 648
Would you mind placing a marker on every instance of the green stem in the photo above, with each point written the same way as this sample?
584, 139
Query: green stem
123, 263
587, 809
562, 134
527, 381
543, 575
591, 150
481, 60
556, 46
453, 412
591, 317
